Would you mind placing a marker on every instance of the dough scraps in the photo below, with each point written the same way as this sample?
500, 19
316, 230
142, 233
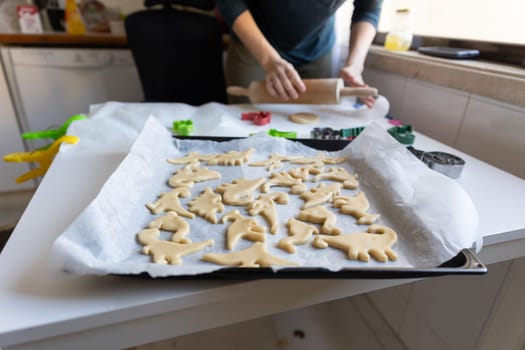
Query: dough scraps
240, 191
339, 174
265, 205
167, 252
321, 215
273, 162
284, 179
376, 243
321, 194
169, 201
188, 175
192, 158
255, 256
231, 158
303, 118
357, 206
299, 233
207, 204
242, 227
173, 223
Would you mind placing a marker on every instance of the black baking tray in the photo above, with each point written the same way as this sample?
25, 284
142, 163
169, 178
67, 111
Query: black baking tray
465, 263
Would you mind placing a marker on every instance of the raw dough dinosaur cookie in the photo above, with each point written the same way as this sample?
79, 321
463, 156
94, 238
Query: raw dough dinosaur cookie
339, 174
376, 243
321, 194
170, 201
321, 215
265, 205
207, 204
173, 223
188, 175
166, 252
299, 233
357, 206
255, 256
192, 158
231, 158
242, 227
240, 191
304, 172
303, 118
318, 161
273, 162
284, 179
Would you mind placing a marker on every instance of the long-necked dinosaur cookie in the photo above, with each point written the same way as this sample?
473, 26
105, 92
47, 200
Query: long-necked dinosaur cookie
299, 233
240, 191
273, 162
242, 227
207, 204
188, 175
167, 252
377, 243
357, 206
169, 201
173, 223
321, 194
339, 174
265, 205
318, 161
192, 158
321, 215
231, 158
284, 179
255, 256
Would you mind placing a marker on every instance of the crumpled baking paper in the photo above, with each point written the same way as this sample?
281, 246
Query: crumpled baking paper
434, 218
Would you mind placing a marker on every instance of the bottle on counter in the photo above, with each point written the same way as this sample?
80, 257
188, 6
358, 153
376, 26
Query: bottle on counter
400, 37
74, 22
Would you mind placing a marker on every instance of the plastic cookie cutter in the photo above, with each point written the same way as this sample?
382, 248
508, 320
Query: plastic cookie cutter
258, 118
285, 134
53, 133
403, 134
183, 127
43, 157
351, 133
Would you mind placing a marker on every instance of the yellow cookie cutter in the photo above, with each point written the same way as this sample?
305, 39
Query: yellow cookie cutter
44, 157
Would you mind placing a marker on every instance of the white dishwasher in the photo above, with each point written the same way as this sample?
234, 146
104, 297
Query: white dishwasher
48, 85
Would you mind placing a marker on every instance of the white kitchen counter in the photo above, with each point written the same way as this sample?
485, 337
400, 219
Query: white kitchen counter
44, 308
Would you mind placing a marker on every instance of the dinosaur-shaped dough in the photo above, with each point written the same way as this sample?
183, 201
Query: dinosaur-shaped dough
265, 205
357, 206
188, 175
255, 256
242, 227
339, 174
167, 252
273, 162
318, 161
170, 201
284, 179
321, 194
321, 215
173, 223
299, 233
192, 158
304, 172
240, 191
231, 158
207, 204
376, 243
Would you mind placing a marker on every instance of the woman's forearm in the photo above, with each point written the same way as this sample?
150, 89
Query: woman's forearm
361, 36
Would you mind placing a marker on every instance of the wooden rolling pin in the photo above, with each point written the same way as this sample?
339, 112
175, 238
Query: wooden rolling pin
318, 91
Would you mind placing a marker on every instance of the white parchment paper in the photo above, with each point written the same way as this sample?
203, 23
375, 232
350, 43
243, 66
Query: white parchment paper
433, 216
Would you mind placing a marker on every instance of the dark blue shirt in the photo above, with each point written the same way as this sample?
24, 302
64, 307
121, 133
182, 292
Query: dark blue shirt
300, 30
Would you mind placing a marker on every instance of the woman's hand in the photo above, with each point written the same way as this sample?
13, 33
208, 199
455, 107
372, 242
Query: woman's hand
353, 77
282, 80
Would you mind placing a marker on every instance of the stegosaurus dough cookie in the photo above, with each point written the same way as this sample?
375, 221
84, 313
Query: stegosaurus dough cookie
321, 194
188, 175
207, 204
192, 158
173, 223
265, 205
321, 215
357, 206
255, 256
169, 201
240, 191
167, 252
284, 179
318, 161
376, 243
231, 158
339, 174
242, 227
299, 233
273, 162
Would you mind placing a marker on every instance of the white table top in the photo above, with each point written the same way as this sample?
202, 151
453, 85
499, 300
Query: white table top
43, 308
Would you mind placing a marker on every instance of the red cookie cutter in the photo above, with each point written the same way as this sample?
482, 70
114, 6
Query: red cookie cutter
258, 118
